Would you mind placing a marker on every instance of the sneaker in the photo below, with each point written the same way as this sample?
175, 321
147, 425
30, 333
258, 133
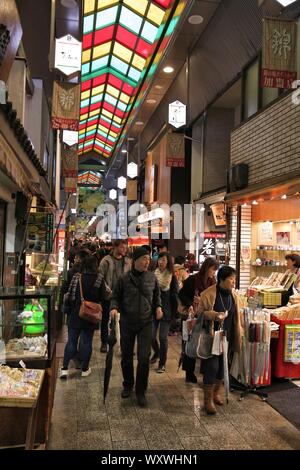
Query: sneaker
103, 348
63, 374
141, 400
161, 370
86, 373
153, 359
126, 392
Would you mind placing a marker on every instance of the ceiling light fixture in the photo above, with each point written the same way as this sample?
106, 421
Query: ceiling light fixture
245, 204
196, 19
158, 87
151, 101
124, 151
139, 123
285, 3
168, 69
254, 203
284, 196
69, 3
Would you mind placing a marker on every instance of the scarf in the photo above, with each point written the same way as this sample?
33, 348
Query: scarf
164, 279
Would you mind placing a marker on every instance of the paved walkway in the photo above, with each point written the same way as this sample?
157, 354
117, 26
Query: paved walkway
173, 420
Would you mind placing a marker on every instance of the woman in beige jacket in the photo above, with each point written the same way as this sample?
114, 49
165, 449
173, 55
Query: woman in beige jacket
221, 307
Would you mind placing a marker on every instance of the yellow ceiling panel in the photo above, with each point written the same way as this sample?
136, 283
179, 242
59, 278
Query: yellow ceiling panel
101, 50
125, 98
113, 91
91, 128
94, 113
83, 117
102, 128
107, 114
138, 62
106, 3
86, 56
85, 94
89, 6
122, 52
156, 14
98, 89
138, 5
117, 119
113, 134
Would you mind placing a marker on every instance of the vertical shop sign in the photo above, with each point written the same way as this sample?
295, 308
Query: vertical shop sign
279, 54
175, 150
65, 106
70, 185
69, 163
49, 232
292, 343
131, 190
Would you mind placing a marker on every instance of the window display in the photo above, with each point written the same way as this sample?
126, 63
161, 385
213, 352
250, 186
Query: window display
27, 323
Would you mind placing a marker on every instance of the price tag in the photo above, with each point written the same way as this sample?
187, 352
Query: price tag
22, 364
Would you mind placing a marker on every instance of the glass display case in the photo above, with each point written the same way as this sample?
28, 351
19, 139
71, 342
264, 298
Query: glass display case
42, 270
27, 325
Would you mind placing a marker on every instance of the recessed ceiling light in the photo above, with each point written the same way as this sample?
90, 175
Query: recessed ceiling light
139, 123
195, 19
151, 101
158, 87
69, 3
168, 69
130, 138
124, 151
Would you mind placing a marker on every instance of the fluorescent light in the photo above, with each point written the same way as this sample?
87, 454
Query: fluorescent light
195, 19
124, 151
168, 69
151, 101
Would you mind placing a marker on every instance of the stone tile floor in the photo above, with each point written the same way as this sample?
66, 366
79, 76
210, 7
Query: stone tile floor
173, 420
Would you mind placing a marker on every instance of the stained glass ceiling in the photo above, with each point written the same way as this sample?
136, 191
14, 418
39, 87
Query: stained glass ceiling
119, 38
89, 178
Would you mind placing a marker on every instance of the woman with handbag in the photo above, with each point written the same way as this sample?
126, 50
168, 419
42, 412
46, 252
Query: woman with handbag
85, 295
220, 306
169, 298
189, 297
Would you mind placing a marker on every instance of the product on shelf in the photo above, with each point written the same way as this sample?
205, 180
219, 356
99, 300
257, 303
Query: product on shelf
33, 319
290, 312
19, 383
26, 347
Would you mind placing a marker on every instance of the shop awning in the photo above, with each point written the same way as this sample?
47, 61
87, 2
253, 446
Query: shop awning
211, 198
273, 188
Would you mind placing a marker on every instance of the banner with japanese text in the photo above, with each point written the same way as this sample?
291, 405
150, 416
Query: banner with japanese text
69, 163
70, 185
65, 106
131, 190
279, 54
175, 150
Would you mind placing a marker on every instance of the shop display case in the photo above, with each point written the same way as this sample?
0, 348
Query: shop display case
27, 325
42, 269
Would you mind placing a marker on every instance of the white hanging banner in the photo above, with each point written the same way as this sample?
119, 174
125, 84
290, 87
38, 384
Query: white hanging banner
67, 55
177, 114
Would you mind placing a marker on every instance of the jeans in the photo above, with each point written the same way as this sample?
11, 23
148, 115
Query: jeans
86, 346
213, 369
161, 348
128, 334
104, 321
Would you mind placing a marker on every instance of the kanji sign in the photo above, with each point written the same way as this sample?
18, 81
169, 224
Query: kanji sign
177, 114
69, 163
175, 150
65, 106
279, 59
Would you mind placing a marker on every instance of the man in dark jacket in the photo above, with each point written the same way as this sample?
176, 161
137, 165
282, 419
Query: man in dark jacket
136, 296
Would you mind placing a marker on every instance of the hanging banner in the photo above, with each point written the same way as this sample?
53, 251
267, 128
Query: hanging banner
279, 56
131, 190
175, 150
65, 106
70, 185
69, 163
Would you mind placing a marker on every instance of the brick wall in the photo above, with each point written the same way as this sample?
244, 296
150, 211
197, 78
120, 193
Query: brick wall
269, 142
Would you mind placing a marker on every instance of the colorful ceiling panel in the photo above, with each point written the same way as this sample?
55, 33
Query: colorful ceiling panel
119, 39
89, 178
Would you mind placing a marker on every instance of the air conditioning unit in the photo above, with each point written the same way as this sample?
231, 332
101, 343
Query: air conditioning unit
237, 177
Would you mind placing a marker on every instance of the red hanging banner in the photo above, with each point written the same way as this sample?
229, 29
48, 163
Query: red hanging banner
65, 106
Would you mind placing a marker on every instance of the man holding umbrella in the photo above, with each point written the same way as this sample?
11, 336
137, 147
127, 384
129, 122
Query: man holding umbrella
137, 297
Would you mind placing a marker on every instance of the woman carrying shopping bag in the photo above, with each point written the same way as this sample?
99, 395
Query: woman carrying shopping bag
220, 306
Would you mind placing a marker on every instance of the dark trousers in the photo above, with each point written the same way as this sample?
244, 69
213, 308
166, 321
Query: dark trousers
86, 346
143, 333
213, 369
104, 321
161, 348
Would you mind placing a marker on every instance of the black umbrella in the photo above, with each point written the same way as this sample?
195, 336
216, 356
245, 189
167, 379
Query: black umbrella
111, 341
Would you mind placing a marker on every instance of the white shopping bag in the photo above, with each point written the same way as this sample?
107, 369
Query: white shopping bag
217, 349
